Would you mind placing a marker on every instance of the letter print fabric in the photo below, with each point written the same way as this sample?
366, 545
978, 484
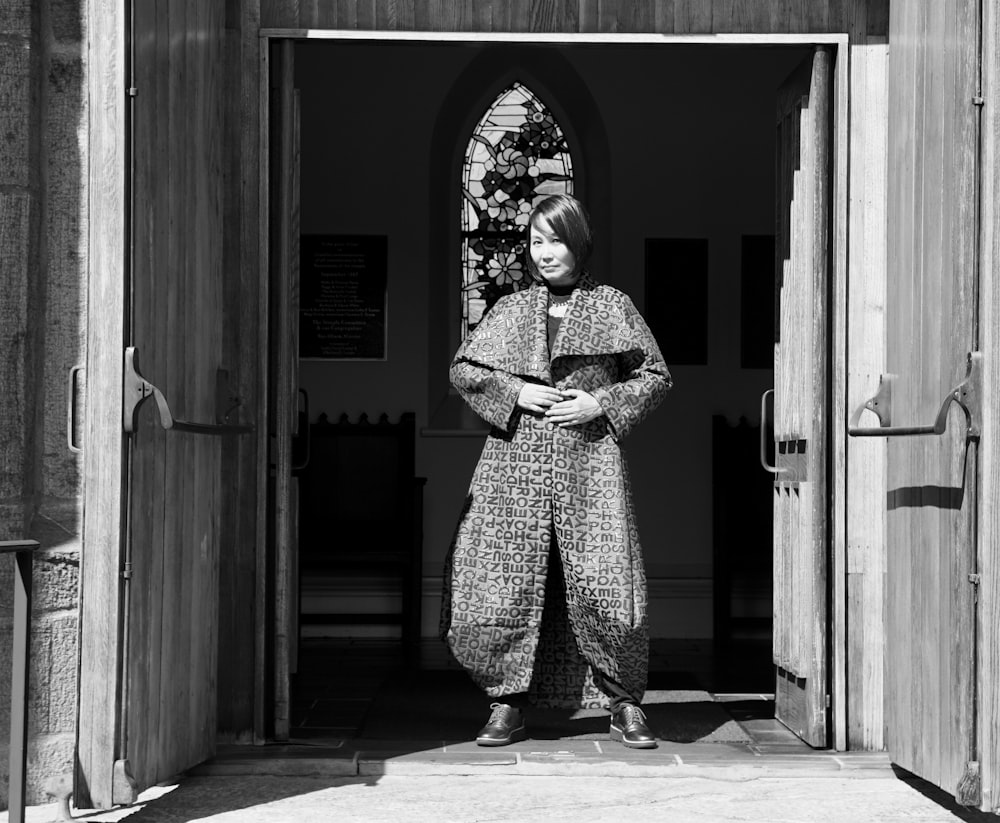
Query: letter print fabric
515, 623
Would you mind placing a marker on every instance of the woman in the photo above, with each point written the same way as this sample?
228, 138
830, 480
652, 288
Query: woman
546, 593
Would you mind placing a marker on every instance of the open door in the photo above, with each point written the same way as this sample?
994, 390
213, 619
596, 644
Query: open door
284, 459
801, 400
154, 490
932, 326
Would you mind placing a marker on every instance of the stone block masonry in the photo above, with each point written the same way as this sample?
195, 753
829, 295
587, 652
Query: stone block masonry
43, 286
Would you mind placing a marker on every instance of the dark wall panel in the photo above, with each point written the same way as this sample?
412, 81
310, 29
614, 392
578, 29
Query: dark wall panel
677, 298
757, 301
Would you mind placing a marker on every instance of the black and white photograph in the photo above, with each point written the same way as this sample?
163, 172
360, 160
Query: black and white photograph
500, 410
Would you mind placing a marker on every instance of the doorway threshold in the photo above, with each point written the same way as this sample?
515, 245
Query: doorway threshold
564, 758
357, 711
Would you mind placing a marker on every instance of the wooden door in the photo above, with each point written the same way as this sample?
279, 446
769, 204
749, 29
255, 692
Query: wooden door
800, 400
283, 201
930, 706
150, 577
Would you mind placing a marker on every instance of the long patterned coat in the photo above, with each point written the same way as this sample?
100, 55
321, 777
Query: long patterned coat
538, 487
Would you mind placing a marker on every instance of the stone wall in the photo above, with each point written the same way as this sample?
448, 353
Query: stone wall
42, 333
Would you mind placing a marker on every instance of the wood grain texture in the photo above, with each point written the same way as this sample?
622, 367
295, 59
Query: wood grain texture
624, 16
171, 661
692, 17
989, 448
801, 395
866, 457
930, 328
367, 14
434, 15
666, 16
241, 337
284, 293
101, 596
260, 247
473, 16
395, 15
837, 313
289, 13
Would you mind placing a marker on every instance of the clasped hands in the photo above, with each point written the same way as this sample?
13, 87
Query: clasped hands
564, 407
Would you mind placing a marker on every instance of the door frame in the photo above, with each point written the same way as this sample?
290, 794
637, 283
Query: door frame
837, 306
105, 450
988, 518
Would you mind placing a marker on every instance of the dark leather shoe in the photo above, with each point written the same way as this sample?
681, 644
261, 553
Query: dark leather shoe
628, 726
505, 726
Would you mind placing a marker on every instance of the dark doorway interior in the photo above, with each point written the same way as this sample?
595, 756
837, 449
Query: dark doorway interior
704, 501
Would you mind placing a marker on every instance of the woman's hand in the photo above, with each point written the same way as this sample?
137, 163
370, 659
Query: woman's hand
537, 398
574, 409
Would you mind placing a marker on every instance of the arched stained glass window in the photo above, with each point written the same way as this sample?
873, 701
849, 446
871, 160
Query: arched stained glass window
517, 155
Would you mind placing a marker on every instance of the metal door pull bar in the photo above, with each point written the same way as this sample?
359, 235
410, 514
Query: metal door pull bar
763, 438
136, 390
967, 394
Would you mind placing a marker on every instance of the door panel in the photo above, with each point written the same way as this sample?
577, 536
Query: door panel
800, 400
931, 320
170, 660
157, 639
284, 367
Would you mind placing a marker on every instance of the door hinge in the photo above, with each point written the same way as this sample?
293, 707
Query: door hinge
828, 701
978, 101
127, 571
974, 579
132, 91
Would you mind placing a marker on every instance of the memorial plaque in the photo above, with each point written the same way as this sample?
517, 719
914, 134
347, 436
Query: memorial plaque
342, 310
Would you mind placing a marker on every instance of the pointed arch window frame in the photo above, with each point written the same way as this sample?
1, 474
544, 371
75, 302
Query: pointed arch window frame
517, 154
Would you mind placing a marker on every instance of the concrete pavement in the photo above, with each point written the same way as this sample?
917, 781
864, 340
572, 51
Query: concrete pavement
537, 780
493, 797
768, 777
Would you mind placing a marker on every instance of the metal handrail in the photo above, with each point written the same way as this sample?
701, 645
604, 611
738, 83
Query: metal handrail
23, 551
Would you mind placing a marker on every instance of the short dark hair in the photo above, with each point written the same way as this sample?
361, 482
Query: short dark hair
569, 220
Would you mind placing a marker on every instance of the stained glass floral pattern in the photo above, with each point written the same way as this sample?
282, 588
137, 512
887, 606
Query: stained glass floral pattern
517, 155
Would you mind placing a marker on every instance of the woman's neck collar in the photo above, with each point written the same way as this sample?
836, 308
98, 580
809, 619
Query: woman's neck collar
565, 289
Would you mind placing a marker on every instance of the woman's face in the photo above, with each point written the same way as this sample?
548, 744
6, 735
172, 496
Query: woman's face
551, 256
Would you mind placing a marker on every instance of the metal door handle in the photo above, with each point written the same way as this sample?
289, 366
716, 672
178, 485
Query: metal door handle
71, 409
763, 437
136, 390
967, 394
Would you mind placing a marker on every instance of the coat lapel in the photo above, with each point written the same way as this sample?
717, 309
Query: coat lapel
593, 324
514, 336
